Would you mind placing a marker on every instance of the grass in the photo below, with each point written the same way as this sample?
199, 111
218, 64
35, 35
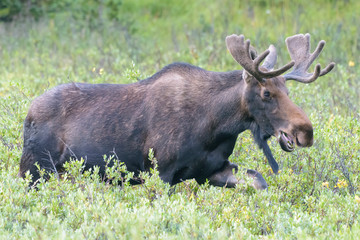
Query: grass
317, 193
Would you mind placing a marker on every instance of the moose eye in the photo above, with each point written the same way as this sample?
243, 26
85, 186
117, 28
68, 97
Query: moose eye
266, 94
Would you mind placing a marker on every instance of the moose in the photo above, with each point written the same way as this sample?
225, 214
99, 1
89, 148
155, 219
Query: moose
189, 116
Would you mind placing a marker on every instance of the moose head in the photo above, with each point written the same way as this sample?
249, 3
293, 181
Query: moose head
266, 96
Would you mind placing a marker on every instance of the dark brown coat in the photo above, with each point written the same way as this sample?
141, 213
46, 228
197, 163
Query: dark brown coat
189, 116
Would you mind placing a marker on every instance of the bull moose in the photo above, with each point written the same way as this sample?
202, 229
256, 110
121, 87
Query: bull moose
189, 116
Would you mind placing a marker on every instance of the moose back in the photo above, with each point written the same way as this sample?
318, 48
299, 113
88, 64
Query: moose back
189, 116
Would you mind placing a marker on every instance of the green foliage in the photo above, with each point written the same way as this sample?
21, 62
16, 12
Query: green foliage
316, 194
91, 10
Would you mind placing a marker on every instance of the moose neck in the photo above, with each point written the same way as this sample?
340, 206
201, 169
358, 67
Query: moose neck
227, 111
231, 115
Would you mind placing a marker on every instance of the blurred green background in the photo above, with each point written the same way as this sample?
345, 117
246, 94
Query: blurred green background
45, 43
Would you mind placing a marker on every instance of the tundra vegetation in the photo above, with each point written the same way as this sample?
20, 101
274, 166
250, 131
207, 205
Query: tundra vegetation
317, 191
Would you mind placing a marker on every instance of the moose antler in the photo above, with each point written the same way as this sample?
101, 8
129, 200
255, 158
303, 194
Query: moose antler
239, 49
299, 49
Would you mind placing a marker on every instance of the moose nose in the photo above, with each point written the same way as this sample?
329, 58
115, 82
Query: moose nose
305, 137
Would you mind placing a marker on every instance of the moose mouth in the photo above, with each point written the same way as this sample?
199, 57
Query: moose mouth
286, 142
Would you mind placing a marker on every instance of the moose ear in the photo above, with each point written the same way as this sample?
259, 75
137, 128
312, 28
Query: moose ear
253, 53
246, 76
270, 60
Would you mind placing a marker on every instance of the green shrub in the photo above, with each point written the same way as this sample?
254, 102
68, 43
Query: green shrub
316, 194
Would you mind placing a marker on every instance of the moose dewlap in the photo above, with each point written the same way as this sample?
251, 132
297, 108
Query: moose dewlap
189, 116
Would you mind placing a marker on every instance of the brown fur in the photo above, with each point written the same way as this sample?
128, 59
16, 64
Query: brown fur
189, 116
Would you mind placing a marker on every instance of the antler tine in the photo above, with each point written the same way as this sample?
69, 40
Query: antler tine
278, 71
299, 49
247, 48
327, 69
316, 52
273, 73
240, 52
304, 77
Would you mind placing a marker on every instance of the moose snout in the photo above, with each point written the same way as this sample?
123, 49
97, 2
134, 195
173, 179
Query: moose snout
305, 136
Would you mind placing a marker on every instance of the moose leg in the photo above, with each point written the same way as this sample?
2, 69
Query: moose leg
225, 176
41, 147
259, 182
28, 161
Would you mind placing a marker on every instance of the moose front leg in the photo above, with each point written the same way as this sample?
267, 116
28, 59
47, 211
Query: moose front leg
259, 182
225, 177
